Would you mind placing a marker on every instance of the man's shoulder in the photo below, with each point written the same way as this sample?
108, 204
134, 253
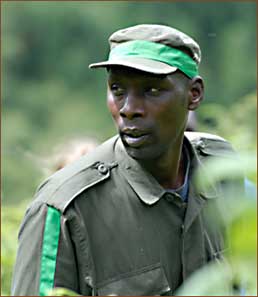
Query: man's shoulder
207, 144
66, 184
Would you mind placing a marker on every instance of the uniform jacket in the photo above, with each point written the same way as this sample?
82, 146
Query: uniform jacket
104, 226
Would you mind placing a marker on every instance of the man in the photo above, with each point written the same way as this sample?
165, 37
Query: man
127, 219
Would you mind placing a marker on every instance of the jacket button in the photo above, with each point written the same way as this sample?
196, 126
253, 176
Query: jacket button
169, 197
184, 205
89, 281
182, 228
102, 169
200, 144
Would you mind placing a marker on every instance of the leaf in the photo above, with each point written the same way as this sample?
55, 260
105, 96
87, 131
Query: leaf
61, 292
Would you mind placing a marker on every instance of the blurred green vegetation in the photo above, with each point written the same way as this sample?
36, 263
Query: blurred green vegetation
236, 275
49, 94
11, 217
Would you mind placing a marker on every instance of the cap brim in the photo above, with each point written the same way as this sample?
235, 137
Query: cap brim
142, 64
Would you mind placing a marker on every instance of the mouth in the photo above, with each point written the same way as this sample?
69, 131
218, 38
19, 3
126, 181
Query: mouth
134, 137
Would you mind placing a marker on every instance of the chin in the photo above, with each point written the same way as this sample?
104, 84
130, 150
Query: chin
147, 153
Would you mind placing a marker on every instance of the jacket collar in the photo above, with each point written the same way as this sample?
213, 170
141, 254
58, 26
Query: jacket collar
142, 182
198, 164
147, 187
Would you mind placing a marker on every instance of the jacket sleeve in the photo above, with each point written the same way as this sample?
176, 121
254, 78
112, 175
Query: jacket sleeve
46, 256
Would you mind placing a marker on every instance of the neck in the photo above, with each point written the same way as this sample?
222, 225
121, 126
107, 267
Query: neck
168, 169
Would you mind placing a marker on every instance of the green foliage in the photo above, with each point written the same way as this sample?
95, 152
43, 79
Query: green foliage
236, 123
239, 270
221, 168
10, 220
62, 292
243, 240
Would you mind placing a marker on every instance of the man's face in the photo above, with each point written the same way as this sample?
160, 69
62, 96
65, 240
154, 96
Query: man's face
150, 111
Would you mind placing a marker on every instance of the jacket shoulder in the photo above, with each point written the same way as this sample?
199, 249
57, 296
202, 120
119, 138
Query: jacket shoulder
207, 144
60, 189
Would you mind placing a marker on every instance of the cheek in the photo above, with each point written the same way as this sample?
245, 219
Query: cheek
165, 113
171, 117
112, 107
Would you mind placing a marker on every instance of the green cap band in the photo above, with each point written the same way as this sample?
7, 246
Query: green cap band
156, 51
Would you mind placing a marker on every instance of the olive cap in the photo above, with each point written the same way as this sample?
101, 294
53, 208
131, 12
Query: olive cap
153, 48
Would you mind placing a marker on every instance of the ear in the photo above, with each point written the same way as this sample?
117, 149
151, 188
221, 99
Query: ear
196, 92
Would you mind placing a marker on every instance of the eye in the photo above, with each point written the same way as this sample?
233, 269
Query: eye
153, 91
117, 89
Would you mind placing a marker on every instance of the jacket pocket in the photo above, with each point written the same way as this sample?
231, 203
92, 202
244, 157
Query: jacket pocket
148, 281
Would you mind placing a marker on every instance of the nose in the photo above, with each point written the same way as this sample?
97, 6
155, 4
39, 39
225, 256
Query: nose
133, 107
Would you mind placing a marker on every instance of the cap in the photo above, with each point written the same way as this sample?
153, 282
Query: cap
157, 49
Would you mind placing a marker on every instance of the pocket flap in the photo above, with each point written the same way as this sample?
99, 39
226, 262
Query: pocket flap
145, 282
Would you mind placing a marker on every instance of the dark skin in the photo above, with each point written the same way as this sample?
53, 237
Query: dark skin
150, 112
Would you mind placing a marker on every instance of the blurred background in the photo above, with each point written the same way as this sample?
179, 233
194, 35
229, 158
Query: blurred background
49, 95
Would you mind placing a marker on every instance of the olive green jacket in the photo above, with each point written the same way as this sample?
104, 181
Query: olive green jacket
104, 226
